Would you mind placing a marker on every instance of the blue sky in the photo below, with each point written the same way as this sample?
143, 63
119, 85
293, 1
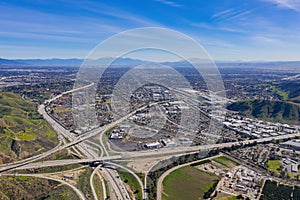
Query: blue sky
228, 29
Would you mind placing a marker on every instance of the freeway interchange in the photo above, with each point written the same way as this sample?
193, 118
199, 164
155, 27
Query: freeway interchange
79, 144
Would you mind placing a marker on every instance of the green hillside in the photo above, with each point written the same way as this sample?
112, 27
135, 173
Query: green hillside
292, 88
34, 188
278, 111
23, 132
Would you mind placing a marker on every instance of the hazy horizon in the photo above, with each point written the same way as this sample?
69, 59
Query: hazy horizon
259, 30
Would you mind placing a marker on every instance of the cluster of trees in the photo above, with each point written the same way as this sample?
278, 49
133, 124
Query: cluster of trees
200, 163
210, 191
275, 191
38, 90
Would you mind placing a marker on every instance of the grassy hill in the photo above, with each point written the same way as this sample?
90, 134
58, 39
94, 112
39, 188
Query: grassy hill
34, 188
278, 111
23, 132
292, 88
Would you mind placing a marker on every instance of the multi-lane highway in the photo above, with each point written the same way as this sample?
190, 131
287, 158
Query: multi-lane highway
148, 154
86, 148
70, 140
133, 174
62, 134
96, 171
117, 185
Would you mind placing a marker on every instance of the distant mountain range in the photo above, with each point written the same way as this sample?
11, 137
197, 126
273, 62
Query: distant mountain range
69, 62
75, 62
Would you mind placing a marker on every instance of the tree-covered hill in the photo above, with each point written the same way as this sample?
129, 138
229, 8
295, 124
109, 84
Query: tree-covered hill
278, 111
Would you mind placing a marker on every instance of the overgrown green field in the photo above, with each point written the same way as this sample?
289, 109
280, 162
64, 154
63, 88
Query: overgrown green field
133, 184
98, 187
22, 187
187, 183
225, 161
274, 166
84, 183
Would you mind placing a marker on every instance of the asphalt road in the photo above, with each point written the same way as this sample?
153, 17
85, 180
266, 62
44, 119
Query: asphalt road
164, 175
102, 182
116, 184
144, 154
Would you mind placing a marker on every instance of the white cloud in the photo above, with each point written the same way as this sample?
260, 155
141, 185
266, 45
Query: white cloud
289, 4
217, 28
267, 40
230, 14
169, 3
224, 12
